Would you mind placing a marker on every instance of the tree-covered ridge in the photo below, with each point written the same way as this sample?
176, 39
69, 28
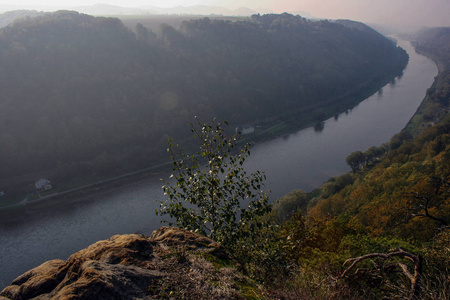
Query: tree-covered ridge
303, 64
395, 203
86, 96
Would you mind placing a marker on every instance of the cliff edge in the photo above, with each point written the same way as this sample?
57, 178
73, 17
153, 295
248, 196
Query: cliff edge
170, 264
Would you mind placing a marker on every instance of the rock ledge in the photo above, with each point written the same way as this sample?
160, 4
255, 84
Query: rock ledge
172, 264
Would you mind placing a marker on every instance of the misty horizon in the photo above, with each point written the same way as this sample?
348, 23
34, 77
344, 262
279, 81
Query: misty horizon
403, 15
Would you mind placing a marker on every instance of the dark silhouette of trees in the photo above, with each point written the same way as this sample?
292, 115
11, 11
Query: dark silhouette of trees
83, 92
356, 160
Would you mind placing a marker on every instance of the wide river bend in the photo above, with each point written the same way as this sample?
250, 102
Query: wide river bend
302, 160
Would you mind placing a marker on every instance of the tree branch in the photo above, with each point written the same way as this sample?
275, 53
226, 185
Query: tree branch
414, 278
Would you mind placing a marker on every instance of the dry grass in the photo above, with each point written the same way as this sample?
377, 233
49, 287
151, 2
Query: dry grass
190, 275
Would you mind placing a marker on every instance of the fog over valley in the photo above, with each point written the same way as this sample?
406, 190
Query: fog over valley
400, 14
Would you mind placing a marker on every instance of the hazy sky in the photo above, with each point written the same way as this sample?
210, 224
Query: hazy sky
422, 12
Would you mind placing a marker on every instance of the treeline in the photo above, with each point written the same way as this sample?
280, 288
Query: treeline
85, 96
396, 201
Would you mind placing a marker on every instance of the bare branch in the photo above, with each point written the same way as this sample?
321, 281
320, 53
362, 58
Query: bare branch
406, 271
414, 278
424, 206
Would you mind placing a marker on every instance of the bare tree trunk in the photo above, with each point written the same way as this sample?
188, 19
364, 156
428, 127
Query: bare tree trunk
416, 283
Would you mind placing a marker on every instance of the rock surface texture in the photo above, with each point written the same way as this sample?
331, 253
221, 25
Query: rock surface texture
170, 264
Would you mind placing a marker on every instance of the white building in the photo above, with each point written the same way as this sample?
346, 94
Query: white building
245, 129
43, 184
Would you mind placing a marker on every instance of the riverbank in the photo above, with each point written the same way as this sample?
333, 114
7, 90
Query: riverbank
80, 194
428, 113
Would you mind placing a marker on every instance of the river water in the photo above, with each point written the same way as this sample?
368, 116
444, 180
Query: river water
301, 160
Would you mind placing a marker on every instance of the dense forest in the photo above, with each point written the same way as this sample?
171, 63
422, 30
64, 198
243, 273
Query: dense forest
396, 200
86, 97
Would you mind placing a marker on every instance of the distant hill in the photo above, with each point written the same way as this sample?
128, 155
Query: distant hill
9, 17
86, 97
111, 10
205, 10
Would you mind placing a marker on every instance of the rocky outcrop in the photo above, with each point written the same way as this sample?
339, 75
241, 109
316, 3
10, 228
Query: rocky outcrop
170, 264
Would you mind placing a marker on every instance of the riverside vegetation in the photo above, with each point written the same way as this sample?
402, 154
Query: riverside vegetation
380, 232
85, 98
396, 201
393, 210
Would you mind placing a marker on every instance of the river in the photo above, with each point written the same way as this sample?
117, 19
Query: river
302, 160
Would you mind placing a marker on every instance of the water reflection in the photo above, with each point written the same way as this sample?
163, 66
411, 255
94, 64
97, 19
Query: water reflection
314, 155
319, 126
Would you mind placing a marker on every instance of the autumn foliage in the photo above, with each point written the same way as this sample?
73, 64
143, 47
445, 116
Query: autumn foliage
388, 214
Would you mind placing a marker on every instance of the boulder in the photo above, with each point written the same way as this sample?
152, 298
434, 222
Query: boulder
172, 264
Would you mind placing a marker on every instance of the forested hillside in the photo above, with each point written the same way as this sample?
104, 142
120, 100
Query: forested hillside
85, 96
434, 42
396, 200
391, 198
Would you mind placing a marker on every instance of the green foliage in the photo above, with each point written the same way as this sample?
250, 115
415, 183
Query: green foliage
335, 185
211, 193
398, 139
295, 235
261, 253
360, 244
290, 203
208, 199
405, 194
437, 253
355, 160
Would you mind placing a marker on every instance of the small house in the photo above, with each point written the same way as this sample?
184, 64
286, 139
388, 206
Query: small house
245, 129
43, 184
